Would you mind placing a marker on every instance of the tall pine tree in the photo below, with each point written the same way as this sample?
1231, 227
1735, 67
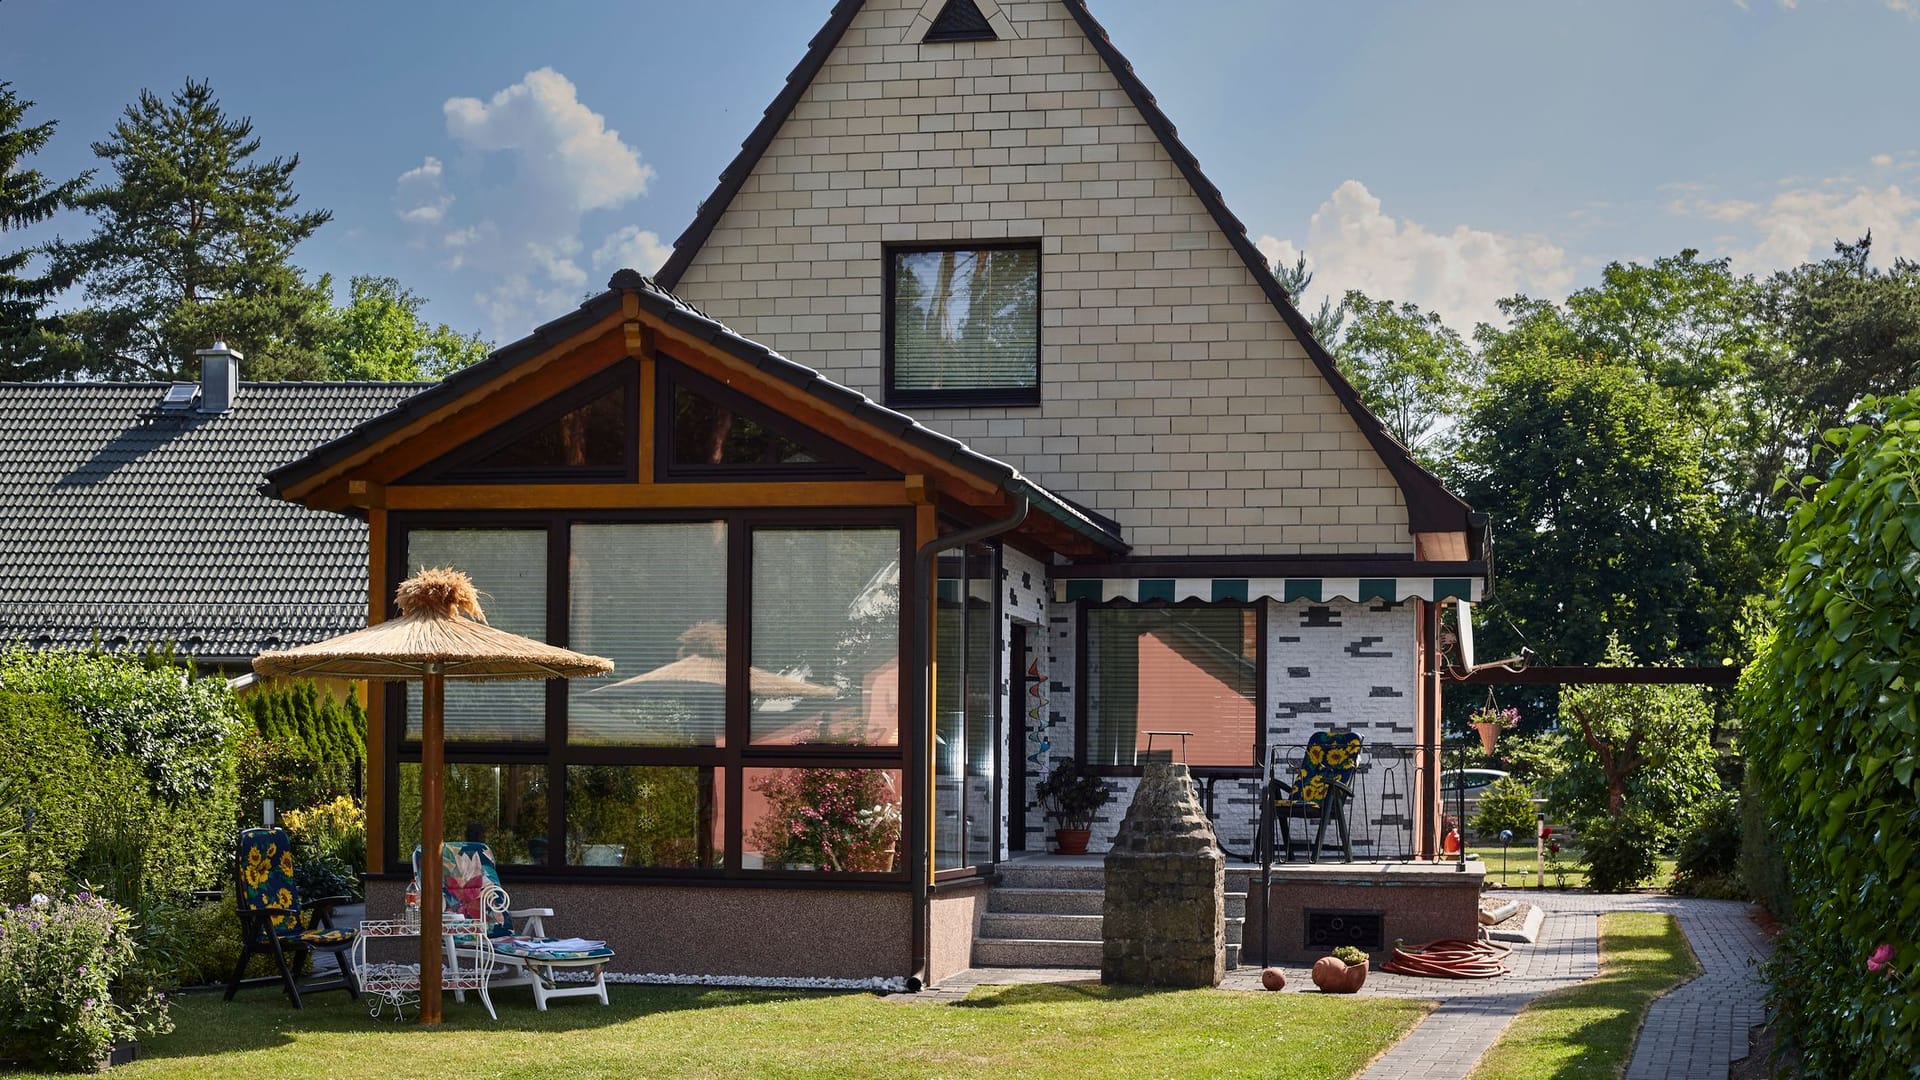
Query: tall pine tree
193, 240
28, 339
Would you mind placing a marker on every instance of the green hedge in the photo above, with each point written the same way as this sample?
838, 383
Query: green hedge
1833, 725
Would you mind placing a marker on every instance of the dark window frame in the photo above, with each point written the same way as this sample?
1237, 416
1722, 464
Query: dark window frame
1082, 698
460, 464
730, 761
838, 462
999, 718
1011, 397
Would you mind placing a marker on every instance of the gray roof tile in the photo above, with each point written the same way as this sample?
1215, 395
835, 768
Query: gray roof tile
123, 524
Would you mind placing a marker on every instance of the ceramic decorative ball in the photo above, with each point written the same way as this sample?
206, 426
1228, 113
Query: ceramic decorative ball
1506, 836
1273, 979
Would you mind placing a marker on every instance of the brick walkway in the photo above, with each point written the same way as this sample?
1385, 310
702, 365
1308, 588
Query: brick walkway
1692, 1033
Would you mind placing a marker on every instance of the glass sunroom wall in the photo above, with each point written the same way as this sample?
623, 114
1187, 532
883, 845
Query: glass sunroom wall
949, 716
966, 709
509, 568
982, 703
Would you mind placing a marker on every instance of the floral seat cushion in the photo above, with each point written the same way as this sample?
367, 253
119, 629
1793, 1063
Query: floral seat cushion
527, 948
266, 885
1330, 759
466, 869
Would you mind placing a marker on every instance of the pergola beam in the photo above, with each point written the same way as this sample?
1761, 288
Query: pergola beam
1576, 675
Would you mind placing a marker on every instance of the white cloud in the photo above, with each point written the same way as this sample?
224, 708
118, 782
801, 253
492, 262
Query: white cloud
1460, 273
533, 167
632, 247
1802, 222
1882, 161
424, 201
563, 148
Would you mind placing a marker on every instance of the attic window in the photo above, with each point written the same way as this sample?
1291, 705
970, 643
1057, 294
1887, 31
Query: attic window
960, 20
180, 396
963, 324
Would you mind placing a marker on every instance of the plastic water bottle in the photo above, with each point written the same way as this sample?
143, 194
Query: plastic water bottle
413, 904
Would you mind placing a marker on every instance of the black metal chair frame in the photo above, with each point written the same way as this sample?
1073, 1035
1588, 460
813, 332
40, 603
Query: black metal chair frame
257, 936
1333, 806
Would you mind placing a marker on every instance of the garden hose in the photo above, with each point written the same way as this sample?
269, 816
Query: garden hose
1450, 959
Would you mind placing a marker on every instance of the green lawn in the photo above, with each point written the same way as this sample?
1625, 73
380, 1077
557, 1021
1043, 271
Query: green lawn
1519, 873
1588, 1030
1053, 1032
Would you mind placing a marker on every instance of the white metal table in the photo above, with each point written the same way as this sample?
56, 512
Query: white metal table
398, 985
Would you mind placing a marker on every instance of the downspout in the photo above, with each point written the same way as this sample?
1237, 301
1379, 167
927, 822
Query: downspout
920, 663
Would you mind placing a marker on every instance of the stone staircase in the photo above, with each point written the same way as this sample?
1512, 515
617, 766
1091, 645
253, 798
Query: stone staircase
1046, 913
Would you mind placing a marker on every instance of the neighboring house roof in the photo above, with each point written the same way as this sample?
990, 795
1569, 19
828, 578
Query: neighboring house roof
132, 526
685, 317
1430, 506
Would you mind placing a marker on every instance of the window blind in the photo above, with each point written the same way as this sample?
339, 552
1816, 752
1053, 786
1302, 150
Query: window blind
826, 636
509, 567
966, 320
653, 599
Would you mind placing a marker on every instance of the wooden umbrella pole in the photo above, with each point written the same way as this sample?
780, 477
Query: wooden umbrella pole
432, 752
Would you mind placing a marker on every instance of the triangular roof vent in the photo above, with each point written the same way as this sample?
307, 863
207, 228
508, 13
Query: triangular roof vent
960, 20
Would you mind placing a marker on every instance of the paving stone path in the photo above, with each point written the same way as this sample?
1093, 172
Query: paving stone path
1692, 1033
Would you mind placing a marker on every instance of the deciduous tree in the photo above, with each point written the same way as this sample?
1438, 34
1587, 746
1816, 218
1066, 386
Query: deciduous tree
1411, 369
380, 336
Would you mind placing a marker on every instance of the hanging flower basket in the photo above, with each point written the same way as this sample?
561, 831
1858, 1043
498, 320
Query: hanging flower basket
1490, 720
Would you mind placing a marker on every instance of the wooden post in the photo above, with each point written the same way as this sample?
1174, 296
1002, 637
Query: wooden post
432, 752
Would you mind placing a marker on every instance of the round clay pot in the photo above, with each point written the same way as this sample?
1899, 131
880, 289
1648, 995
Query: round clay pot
1273, 979
1335, 976
1071, 841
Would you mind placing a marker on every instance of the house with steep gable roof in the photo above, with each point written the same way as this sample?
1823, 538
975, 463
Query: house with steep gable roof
965, 434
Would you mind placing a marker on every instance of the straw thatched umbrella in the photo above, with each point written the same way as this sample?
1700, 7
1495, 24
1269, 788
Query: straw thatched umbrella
441, 634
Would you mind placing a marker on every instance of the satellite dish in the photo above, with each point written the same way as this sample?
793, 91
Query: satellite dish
1463, 630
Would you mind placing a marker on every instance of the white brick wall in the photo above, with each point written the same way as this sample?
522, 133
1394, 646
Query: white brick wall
1335, 666
1175, 399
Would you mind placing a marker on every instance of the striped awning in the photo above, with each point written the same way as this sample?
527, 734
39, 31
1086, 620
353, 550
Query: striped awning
1320, 589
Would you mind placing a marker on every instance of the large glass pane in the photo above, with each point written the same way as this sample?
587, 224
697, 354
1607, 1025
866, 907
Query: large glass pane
949, 717
826, 636
592, 437
966, 320
653, 599
708, 433
840, 819
1172, 669
653, 815
502, 806
981, 635
509, 567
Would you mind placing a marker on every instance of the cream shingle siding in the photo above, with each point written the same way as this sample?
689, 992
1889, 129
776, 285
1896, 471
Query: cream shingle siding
1176, 399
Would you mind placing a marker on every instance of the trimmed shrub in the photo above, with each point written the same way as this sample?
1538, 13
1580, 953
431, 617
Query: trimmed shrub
1507, 804
1707, 862
70, 985
316, 743
1618, 852
1833, 745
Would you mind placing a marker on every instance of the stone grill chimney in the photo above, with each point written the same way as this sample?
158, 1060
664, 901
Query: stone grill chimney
219, 377
1164, 914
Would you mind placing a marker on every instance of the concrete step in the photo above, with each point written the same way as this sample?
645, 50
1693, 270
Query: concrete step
1009, 927
1036, 952
1052, 875
1045, 901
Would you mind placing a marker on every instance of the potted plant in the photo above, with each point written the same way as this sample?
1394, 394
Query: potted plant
1071, 798
1490, 720
1342, 973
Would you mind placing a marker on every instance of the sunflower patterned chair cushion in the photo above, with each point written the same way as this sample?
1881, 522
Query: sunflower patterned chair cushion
266, 888
1327, 766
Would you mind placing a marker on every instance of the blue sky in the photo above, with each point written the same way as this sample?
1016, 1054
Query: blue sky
502, 159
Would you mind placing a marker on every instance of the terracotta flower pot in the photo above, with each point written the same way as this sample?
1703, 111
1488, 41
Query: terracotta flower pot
1488, 733
1335, 976
1071, 841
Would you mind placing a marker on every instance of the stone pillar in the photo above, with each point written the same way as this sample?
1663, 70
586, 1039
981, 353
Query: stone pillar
1164, 913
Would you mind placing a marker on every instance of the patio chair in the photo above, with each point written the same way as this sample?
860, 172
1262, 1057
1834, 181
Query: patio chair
274, 918
1322, 787
526, 956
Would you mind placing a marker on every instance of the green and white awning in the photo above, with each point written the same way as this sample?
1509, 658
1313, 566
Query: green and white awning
1319, 589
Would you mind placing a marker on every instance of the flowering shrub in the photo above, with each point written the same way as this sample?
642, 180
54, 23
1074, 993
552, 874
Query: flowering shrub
68, 991
835, 819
